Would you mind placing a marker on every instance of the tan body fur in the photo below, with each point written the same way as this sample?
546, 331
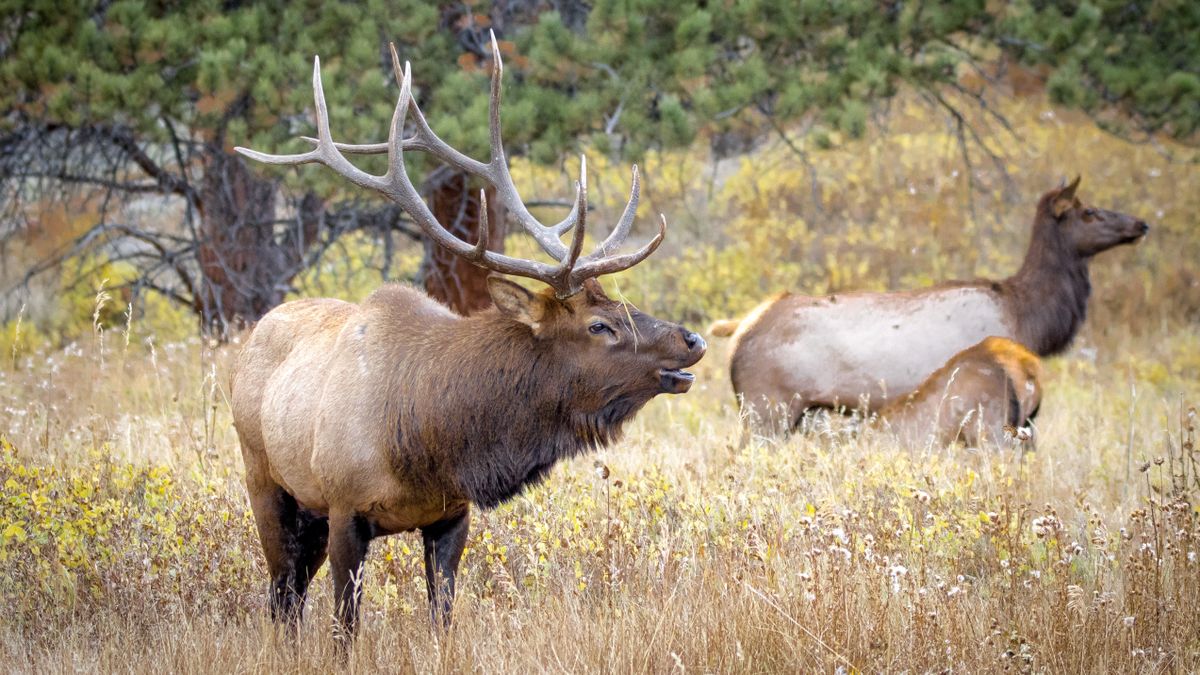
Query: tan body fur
307, 364
972, 398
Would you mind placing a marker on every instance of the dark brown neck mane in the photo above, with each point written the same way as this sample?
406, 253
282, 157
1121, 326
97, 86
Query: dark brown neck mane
505, 412
1048, 296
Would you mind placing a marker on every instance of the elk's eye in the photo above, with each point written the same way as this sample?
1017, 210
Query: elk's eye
1089, 213
598, 327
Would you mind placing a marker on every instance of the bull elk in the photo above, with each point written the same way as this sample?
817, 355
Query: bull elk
358, 421
796, 352
978, 394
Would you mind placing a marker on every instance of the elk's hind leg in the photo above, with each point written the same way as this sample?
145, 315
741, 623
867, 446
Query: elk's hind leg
294, 542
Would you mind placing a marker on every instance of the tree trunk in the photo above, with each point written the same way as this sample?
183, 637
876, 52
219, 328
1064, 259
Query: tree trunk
448, 277
246, 268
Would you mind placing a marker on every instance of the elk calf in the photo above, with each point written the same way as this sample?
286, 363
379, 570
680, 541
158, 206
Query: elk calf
396, 414
972, 398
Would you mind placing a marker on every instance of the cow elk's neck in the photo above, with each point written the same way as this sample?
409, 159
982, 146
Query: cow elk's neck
1048, 296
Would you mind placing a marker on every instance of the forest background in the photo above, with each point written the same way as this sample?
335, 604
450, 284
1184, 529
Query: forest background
816, 147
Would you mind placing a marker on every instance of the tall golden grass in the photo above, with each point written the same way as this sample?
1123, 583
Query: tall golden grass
126, 543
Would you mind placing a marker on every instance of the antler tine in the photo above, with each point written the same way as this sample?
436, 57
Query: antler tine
404, 193
481, 244
498, 173
412, 143
356, 148
494, 104
396, 172
563, 226
568, 263
326, 151
397, 72
324, 136
432, 142
621, 230
619, 263
564, 283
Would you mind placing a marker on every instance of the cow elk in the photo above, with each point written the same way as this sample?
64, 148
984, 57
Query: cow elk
358, 421
983, 395
796, 352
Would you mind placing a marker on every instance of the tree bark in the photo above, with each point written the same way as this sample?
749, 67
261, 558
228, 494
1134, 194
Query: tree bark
448, 277
245, 267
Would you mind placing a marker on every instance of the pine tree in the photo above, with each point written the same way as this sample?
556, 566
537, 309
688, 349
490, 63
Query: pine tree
131, 98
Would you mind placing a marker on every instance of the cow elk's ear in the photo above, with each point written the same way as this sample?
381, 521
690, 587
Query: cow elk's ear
1065, 200
515, 301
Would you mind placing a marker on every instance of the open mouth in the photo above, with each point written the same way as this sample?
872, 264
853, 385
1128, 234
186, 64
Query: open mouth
675, 380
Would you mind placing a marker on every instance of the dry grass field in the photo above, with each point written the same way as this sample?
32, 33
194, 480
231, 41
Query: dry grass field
127, 545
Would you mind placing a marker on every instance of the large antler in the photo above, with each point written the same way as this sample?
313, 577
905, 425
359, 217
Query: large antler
566, 277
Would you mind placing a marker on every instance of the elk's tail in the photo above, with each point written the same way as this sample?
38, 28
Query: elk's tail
724, 327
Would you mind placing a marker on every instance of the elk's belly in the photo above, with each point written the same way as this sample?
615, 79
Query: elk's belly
870, 348
408, 514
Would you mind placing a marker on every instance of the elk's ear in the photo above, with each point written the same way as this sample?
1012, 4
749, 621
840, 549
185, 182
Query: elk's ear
1065, 199
515, 301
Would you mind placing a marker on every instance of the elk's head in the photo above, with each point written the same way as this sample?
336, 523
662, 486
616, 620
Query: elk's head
1087, 229
622, 351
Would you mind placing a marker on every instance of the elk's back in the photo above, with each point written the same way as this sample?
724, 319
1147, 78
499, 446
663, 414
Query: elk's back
847, 349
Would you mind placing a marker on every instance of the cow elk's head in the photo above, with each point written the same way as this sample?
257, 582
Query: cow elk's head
1088, 229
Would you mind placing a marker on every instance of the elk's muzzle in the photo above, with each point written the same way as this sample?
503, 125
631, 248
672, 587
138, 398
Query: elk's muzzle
678, 380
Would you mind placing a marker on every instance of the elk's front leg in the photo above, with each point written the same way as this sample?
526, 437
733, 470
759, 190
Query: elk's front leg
444, 542
349, 539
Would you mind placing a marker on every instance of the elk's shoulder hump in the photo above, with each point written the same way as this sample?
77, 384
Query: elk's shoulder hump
402, 302
298, 321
